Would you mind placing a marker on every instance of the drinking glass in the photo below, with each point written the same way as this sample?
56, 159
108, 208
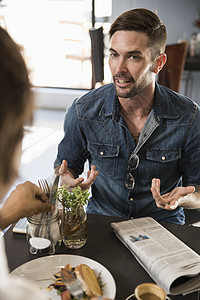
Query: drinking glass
43, 233
74, 227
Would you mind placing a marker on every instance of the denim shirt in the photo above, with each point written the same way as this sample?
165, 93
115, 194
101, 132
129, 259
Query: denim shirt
168, 148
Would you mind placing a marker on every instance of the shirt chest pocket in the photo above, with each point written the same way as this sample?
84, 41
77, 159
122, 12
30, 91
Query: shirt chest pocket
162, 161
105, 157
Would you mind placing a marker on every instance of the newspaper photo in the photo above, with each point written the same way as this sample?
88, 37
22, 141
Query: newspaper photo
170, 263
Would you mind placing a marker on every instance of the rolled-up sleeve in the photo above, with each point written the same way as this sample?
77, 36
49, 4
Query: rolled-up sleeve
73, 147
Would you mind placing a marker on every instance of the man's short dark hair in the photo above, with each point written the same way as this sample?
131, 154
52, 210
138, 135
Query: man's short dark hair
146, 21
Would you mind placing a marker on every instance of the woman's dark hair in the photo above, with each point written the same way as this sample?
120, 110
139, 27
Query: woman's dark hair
15, 102
143, 20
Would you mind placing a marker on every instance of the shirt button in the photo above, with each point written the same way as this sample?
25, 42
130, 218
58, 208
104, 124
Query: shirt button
163, 157
101, 153
131, 199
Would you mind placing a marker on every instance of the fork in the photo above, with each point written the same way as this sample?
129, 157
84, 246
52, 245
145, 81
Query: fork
72, 283
43, 184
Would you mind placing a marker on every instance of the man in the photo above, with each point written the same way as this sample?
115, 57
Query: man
134, 131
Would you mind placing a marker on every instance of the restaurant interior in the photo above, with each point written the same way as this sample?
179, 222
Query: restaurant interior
52, 98
58, 43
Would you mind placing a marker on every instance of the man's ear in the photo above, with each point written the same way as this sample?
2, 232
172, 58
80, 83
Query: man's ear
159, 62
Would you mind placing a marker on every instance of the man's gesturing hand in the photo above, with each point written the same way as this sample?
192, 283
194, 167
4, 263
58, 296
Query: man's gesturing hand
68, 178
172, 199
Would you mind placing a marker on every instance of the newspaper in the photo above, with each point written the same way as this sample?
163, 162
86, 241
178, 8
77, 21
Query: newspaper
170, 263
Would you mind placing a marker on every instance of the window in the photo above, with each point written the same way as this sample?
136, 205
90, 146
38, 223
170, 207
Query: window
54, 39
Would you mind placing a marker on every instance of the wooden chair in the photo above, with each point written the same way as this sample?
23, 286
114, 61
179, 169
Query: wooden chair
171, 74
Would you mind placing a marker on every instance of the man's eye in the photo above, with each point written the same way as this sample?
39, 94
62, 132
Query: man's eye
135, 57
113, 55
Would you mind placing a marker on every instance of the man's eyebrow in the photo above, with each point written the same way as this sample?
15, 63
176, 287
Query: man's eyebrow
113, 50
134, 52
129, 52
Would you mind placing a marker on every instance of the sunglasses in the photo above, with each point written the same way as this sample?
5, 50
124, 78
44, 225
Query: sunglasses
133, 162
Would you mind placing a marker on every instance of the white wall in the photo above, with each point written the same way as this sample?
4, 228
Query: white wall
55, 98
177, 15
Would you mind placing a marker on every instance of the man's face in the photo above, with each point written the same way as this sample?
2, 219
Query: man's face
130, 63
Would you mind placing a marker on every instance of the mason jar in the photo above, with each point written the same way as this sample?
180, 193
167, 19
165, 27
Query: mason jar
43, 233
74, 227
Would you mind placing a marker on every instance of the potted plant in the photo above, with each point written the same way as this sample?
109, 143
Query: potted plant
74, 216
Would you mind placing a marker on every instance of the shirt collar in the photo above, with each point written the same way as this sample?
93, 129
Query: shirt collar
163, 104
112, 104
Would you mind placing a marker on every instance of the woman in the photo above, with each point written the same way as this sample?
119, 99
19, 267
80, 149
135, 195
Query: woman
27, 199
16, 110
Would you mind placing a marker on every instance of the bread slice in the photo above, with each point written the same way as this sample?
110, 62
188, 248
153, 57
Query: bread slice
88, 280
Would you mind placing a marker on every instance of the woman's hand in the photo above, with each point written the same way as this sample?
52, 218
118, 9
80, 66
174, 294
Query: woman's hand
25, 201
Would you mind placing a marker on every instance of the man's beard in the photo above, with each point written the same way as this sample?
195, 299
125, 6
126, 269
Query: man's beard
126, 92
130, 92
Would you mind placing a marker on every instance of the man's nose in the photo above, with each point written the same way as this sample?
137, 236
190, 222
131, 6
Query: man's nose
121, 66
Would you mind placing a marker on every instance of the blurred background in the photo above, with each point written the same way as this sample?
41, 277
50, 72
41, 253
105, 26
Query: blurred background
55, 40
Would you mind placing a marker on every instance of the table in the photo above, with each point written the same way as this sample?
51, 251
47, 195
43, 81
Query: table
103, 246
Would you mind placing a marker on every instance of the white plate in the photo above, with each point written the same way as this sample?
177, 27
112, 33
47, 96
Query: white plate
131, 297
41, 271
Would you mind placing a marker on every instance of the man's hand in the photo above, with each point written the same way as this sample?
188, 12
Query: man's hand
173, 199
25, 201
68, 178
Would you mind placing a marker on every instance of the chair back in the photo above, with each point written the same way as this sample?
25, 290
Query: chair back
97, 48
171, 74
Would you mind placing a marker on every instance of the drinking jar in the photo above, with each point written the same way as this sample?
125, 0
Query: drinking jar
43, 233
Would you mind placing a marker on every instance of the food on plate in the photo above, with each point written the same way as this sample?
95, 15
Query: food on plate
91, 284
88, 280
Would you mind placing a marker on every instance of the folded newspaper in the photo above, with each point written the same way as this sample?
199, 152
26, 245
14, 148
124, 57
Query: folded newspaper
170, 263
